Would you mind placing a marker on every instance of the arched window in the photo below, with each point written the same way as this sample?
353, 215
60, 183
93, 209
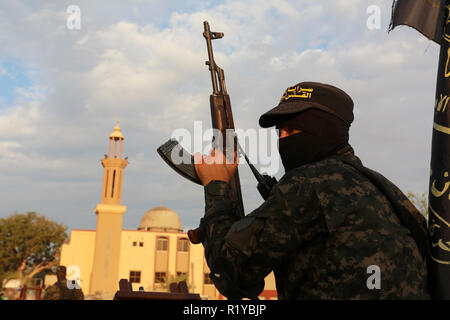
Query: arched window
183, 245
106, 185
162, 244
113, 181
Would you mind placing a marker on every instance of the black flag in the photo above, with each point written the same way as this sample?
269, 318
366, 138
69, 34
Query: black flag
432, 19
426, 16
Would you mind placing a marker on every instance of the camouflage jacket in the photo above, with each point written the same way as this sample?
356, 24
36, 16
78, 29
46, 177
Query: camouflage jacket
322, 227
60, 291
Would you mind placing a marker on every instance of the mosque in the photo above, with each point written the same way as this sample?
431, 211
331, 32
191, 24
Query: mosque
156, 253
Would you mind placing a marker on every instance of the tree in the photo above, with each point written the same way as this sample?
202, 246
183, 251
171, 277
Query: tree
174, 278
420, 201
29, 244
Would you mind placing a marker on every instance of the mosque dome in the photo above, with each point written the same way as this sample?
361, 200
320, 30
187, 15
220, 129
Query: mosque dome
116, 134
160, 219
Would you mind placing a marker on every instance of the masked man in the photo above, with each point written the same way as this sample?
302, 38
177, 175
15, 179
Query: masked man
330, 229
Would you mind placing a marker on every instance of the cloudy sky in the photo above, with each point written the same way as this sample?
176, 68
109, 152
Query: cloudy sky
142, 61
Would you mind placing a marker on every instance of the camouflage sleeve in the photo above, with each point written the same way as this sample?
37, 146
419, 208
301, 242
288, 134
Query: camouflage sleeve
242, 252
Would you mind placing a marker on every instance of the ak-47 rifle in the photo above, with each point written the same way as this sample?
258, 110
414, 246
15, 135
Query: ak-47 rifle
222, 121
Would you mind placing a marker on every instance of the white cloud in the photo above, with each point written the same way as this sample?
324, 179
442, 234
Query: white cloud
3, 72
19, 122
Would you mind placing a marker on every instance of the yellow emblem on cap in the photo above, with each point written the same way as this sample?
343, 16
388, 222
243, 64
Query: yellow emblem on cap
297, 92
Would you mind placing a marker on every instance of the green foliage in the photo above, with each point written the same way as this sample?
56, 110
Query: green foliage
420, 200
29, 244
174, 278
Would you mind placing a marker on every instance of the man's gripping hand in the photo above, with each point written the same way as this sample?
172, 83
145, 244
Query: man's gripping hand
214, 167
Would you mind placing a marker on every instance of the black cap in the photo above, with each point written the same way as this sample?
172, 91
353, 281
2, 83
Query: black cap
310, 95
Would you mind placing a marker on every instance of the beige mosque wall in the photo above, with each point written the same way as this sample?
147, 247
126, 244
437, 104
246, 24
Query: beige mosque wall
139, 253
79, 251
137, 258
170, 253
196, 267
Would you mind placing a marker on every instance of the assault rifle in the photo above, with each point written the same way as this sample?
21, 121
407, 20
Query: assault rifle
222, 121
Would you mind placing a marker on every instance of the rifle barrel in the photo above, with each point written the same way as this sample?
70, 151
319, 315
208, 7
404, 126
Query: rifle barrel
212, 65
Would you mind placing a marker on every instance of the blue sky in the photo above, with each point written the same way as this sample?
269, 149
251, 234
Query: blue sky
13, 75
62, 90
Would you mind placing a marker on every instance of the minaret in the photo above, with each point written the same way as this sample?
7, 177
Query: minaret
105, 269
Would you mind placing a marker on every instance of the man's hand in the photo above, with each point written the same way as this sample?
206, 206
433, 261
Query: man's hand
214, 167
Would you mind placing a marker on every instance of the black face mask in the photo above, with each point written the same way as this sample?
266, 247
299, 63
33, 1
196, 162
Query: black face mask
321, 136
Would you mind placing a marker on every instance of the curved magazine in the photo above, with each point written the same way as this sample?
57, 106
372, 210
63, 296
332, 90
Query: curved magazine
179, 160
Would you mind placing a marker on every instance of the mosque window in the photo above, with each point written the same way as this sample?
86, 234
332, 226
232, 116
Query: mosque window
160, 277
162, 244
135, 276
141, 244
113, 180
183, 245
207, 279
106, 188
134, 243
